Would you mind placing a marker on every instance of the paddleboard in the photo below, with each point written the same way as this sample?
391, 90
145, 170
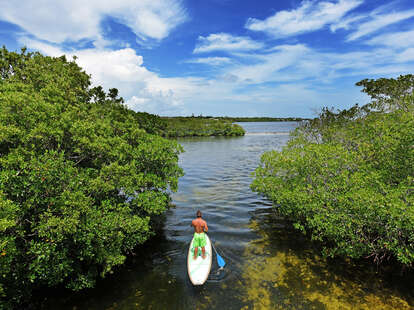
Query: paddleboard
199, 268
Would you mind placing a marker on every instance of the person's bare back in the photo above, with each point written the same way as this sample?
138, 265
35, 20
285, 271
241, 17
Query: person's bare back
199, 225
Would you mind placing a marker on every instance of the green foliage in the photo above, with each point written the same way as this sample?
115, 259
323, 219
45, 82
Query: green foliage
200, 126
389, 94
80, 180
347, 178
151, 123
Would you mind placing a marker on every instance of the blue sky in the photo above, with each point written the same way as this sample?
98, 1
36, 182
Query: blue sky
222, 57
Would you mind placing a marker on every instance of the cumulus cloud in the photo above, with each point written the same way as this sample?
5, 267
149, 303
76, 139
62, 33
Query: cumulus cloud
225, 42
107, 67
48, 49
164, 104
310, 16
58, 21
125, 70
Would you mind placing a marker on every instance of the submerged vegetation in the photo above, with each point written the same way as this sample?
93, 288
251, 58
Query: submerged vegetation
347, 177
283, 263
200, 126
80, 180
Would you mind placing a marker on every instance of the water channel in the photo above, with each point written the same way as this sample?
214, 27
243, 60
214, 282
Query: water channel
269, 264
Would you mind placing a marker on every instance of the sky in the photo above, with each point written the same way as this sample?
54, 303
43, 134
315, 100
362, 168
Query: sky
222, 57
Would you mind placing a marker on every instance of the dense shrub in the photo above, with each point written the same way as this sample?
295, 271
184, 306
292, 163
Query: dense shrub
80, 181
151, 123
347, 177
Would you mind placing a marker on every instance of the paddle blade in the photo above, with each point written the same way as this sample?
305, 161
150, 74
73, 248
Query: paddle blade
220, 261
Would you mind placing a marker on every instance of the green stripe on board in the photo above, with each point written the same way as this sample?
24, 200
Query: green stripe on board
199, 265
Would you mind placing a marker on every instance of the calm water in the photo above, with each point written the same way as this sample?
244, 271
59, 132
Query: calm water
269, 265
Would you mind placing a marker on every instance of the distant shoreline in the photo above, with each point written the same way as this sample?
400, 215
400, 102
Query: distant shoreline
240, 119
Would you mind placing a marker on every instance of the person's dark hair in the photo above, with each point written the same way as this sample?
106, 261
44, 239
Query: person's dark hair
198, 213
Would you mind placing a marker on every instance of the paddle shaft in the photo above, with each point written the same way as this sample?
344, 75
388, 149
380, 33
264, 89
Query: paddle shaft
220, 260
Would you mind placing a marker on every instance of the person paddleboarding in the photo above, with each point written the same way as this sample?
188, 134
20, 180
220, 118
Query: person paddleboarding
200, 227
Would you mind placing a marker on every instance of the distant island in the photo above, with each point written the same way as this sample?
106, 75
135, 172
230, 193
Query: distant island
183, 126
241, 119
187, 126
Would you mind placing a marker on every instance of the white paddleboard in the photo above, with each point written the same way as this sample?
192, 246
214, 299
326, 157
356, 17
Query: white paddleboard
199, 268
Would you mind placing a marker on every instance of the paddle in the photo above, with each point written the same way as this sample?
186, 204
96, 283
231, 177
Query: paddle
220, 260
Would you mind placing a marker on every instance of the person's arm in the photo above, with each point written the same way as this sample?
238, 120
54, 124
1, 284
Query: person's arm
191, 225
205, 226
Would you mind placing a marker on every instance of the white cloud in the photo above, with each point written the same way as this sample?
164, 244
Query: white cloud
164, 104
212, 61
268, 65
125, 70
107, 67
377, 22
225, 42
298, 63
346, 23
369, 22
400, 43
394, 40
310, 16
407, 55
57, 21
289, 76
48, 49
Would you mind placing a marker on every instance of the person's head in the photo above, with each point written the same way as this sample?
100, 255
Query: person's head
198, 213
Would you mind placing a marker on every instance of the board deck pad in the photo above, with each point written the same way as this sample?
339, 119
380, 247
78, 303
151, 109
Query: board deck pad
199, 268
